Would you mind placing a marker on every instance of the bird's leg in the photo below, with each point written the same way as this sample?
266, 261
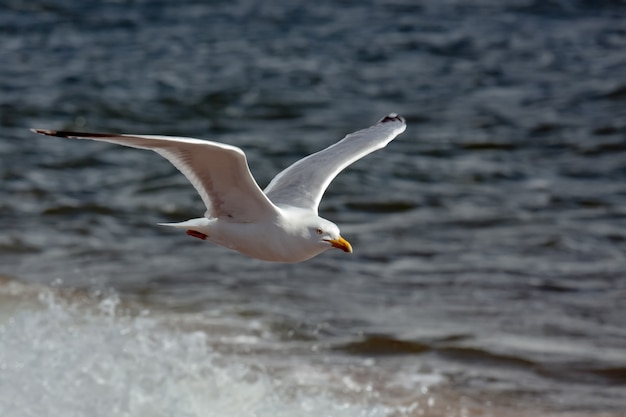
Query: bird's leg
197, 234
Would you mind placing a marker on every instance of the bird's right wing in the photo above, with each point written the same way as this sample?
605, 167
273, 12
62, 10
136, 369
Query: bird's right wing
303, 183
218, 172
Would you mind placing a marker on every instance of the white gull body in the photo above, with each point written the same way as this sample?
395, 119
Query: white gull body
280, 223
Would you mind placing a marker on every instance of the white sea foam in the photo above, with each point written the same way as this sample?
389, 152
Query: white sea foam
61, 357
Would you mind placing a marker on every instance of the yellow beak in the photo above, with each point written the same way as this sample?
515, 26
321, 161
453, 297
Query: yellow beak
341, 243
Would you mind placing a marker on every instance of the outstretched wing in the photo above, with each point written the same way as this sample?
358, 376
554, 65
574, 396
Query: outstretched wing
218, 172
303, 183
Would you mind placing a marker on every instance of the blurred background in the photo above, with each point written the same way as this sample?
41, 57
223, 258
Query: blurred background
488, 277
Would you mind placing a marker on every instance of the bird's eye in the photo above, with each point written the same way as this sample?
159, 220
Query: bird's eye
319, 231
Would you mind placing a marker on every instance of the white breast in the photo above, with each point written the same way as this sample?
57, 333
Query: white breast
269, 241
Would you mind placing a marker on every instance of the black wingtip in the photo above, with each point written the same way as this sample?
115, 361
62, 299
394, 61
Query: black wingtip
47, 132
392, 117
66, 134
44, 132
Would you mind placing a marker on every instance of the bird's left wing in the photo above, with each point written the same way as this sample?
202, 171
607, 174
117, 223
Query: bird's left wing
218, 172
303, 183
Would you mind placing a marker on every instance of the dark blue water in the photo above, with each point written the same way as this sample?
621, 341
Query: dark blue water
489, 238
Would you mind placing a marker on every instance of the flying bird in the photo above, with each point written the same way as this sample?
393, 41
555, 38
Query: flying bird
280, 223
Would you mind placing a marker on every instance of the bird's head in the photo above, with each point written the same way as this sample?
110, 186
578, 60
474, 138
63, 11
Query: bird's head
326, 233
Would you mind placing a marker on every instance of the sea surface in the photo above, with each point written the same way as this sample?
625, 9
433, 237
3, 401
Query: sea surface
489, 269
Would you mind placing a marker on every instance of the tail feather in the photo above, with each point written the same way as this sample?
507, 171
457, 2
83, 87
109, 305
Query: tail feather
189, 224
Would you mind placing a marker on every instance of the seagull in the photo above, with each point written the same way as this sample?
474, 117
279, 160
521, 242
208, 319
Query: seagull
278, 224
